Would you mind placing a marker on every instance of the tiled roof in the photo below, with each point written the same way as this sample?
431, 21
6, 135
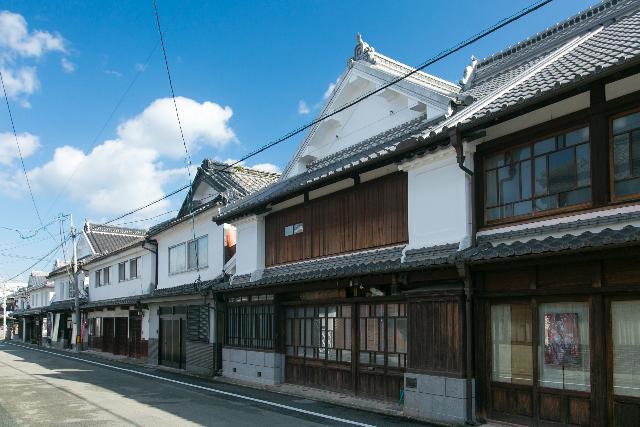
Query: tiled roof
113, 302
629, 235
588, 51
187, 289
28, 311
598, 221
431, 256
341, 162
105, 239
231, 183
37, 279
65, 305
346, 265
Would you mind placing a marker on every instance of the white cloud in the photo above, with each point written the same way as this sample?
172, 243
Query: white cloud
16, 39
262, 167
8, 151
67, 66
266, 167
303, 108
140, 67
330, 88
205, 123
112, 178
19, 82
113, 73
17, 46
127, 172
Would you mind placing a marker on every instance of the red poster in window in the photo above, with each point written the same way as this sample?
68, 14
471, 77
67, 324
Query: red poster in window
561, 340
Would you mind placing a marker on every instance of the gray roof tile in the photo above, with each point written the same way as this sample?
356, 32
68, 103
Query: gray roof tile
626, 236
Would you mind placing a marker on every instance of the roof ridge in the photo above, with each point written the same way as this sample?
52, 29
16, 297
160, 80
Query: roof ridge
208, 164
114, 229
566, 26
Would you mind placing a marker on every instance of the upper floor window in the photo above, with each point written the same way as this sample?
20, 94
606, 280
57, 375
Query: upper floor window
133, 268
189, 255
625, 148
290, 230
105, 276
533, 179
121, 272
98, 278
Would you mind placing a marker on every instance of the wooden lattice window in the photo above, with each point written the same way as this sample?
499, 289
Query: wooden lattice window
539, 177
319, 332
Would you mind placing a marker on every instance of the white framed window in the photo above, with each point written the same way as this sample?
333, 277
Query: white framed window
177, 258
105, 276
98, 278
133, 268
121, 271
189, 255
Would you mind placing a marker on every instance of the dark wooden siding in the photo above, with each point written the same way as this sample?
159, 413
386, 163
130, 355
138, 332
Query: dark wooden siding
435, 336
368, 215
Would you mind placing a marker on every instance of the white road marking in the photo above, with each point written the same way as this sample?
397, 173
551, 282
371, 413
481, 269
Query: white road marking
213, 390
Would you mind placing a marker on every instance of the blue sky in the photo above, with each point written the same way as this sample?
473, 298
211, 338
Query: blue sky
243, 72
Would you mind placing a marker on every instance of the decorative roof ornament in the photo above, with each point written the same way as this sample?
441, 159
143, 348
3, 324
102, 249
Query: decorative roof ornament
362, 51
469, 71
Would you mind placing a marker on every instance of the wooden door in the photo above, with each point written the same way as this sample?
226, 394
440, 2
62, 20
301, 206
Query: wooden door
135, 336
172, 346
108, 330
381, 360
121, 339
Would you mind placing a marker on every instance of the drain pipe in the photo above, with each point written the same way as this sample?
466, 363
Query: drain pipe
463, 271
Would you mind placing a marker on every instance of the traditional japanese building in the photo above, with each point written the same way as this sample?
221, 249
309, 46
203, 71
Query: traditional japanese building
478, 257
193, 254
118, 279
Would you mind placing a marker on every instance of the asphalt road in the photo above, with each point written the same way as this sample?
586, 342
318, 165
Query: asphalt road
54, 388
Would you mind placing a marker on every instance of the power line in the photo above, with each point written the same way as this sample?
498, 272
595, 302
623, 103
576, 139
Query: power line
166, 196
443, 54
106, 122
15, 135
37, 262
148, 219
184, 142
31, 233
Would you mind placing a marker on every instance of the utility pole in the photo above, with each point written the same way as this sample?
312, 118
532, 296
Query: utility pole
4, 311
74, 268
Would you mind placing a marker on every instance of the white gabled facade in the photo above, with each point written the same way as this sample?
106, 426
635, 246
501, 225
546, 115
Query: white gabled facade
418, 95
174, 241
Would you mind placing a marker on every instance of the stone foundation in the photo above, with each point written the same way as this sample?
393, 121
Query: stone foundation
436, 398
253, 366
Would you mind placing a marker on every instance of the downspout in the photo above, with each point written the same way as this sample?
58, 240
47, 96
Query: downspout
463, 271
154, 243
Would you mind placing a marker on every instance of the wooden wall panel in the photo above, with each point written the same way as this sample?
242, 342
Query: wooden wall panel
368, 215
435, 329
622, 271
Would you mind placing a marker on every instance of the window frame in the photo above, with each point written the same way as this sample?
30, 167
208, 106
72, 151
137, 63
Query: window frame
97, 279
535, 303
523, 141
245, 317
612, 180
106, 276
122, 265
137, 262
186, 256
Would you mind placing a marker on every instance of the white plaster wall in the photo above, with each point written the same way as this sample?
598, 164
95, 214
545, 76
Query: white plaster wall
152, 321
61, 288
250, 245
182, 233
129, 287
41, 297
437, 200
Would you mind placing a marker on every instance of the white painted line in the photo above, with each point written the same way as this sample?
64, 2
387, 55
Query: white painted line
213, 390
